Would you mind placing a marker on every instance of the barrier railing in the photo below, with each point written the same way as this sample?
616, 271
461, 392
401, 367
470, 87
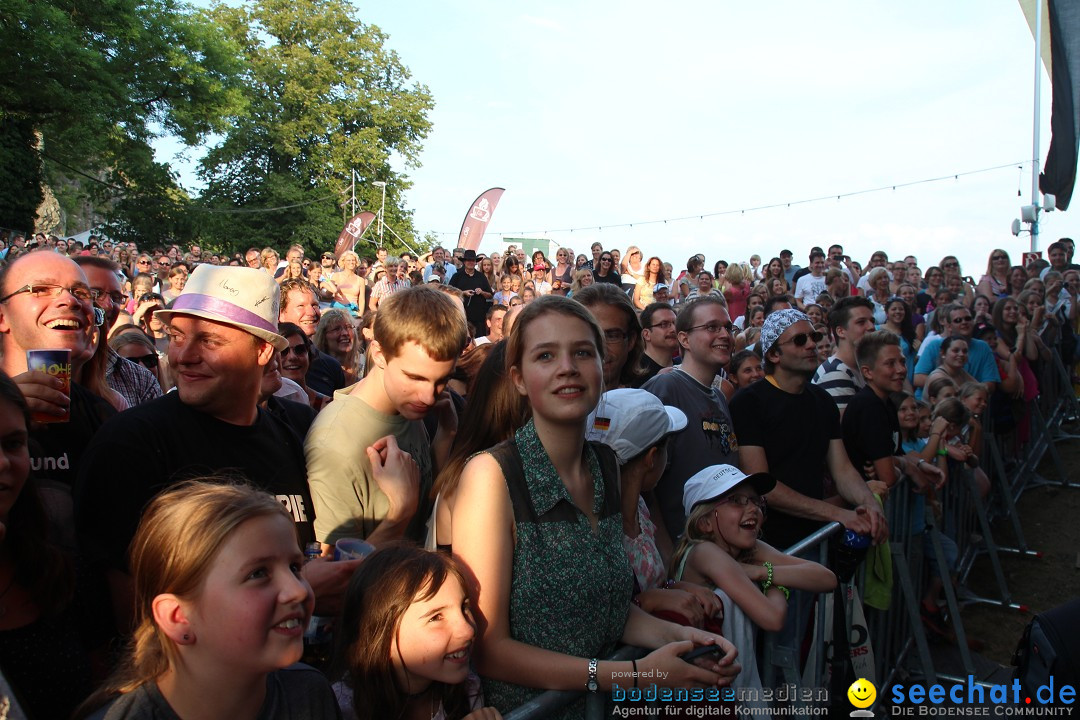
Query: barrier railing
1010, 457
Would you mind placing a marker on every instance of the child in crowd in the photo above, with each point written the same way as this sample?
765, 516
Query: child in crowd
406, 638
220, 612
505, 293
721, 550
745, 368
635, 424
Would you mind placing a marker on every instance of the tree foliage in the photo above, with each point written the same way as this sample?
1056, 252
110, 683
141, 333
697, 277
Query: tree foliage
97, 80
323, 97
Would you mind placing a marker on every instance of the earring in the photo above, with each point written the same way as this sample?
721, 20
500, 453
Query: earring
187, 638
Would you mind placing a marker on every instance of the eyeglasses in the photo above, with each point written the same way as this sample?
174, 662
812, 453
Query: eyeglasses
663, 324
800, 339
951, 265
614, 335
117, 298
149, 361
607, 259
297, 350
958, 320
48, 290
142, 262
744, 500
164, 263
714, 328
995, 258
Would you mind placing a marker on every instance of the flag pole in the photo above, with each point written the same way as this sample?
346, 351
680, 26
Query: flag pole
1036, 200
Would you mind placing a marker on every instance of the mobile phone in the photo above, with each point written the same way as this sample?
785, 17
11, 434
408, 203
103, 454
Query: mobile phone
704, 651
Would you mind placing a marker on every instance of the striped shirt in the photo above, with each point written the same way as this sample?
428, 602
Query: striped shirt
840, 381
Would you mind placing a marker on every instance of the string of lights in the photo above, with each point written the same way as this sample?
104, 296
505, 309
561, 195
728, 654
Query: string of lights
757, 208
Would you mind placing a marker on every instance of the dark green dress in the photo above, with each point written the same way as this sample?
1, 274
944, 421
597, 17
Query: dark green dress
571, 587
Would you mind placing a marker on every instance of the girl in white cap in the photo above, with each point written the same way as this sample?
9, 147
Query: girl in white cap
720, 549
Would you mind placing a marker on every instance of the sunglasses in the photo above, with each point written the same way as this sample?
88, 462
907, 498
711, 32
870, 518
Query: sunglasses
149, 361
801, 339
297, 350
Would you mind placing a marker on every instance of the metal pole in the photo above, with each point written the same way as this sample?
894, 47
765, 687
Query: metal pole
352, 182
382, 208
1036, 200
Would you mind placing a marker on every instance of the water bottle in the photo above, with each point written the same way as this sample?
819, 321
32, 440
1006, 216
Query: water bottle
848, 554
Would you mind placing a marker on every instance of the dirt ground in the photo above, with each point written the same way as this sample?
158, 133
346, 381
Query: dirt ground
1050, 518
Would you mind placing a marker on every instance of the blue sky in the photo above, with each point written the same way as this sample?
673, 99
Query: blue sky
602, 113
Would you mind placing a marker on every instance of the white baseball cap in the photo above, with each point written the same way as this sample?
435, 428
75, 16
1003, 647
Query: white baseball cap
711, 483
631, 421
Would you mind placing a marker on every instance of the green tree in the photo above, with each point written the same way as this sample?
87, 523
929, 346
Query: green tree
97, 80
324, 96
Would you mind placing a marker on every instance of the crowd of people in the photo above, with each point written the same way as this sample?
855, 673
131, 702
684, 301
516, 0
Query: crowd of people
545, 459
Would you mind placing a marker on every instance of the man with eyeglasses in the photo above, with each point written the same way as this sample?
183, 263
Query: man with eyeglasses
438, 260
659, 338
135, 383
46, 304
958, 321
705, 337
619, 323
878, 259
253, 257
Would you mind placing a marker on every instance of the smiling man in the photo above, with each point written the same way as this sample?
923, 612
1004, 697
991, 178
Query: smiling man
222, 333
46, 304
704, 332
417, 337
300, 306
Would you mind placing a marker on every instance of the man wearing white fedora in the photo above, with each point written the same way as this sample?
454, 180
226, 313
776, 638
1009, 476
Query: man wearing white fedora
222, 332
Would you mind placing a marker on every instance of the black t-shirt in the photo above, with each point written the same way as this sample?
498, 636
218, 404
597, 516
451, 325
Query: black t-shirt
324, 374
475, 306
612, 277
146, 449
798, 274
56, 452
795, 432
870, 428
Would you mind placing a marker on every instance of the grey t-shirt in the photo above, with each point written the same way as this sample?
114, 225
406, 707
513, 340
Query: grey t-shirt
298, 692
709, 439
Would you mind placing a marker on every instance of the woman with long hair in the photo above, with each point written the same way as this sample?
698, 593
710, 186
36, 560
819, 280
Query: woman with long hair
129, 341
775, 269
513, 267
220, 610
296, 360
583, 278
557, 594
1018, 277
898, 322
643, 290
336, 336
737, 290
995, 283
561, 274
606, 270
487, 269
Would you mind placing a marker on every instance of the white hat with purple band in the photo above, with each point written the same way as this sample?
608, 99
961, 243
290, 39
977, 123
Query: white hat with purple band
245, 298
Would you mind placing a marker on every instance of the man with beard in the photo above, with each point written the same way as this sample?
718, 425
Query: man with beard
659, 338
704, 333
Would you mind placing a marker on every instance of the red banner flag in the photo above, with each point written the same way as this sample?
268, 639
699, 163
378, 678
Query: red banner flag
352, 232
476, 220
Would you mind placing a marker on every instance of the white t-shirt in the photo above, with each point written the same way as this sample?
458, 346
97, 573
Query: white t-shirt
808, 288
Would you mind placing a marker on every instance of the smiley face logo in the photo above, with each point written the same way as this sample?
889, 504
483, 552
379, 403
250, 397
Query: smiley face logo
862, 693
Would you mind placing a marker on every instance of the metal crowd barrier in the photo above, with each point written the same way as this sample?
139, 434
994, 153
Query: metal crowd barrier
1010, 457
